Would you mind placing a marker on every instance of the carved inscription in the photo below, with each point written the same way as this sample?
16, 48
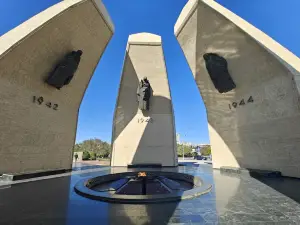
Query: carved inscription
145, 120
241, 103
41, 101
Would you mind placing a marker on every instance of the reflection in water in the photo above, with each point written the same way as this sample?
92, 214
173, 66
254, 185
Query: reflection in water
131, 214
141, 214
37, 202
234, 199
81, 210
226, 188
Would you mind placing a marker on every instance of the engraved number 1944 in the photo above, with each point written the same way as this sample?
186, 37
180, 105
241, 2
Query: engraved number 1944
242, 102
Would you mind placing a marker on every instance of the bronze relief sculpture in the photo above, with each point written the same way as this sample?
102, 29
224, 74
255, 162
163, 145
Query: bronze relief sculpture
217, 69
144, 94
65, 70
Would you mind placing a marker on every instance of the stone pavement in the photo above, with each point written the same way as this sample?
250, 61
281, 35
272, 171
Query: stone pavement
233, 200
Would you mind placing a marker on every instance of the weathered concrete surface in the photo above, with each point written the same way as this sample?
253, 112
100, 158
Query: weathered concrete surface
264, 134
35, 137
135, 141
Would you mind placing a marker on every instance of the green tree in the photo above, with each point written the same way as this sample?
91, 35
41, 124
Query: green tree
206, 150
194, 154
86, 155
92, 156
179, 150
78, 148
184, 148
102, 149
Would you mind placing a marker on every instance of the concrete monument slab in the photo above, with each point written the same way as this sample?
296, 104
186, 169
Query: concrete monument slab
144, 135
254, 123
38, 121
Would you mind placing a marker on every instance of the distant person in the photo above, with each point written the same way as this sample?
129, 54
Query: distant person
76, 156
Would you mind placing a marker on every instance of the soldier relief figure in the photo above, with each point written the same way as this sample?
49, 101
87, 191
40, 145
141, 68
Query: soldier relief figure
65, 70
144, 94
217, 69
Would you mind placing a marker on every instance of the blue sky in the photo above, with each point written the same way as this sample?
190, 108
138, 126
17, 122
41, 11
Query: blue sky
159, 17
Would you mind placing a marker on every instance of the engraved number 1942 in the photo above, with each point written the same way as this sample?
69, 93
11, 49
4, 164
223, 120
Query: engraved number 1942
40, 100
148, 120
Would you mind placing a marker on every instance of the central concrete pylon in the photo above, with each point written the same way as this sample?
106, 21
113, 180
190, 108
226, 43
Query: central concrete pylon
255, 122
144, 137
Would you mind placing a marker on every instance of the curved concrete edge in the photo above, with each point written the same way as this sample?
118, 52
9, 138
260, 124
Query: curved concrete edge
291, 61
143, 39
81, 189
12, 38
92, 181
105, 14
131, 199
184, 16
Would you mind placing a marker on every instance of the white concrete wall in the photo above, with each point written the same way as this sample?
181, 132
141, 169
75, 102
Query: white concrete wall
147, 142
264, 134
34, 137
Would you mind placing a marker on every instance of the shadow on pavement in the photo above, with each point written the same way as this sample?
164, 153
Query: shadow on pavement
285, 185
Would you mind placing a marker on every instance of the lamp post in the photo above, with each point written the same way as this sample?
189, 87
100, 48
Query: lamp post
182, 152
183, 148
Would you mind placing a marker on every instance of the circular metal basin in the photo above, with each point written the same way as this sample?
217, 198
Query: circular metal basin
142, 187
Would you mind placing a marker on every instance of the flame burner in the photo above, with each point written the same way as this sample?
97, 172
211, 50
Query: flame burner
142, 187
142, 174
